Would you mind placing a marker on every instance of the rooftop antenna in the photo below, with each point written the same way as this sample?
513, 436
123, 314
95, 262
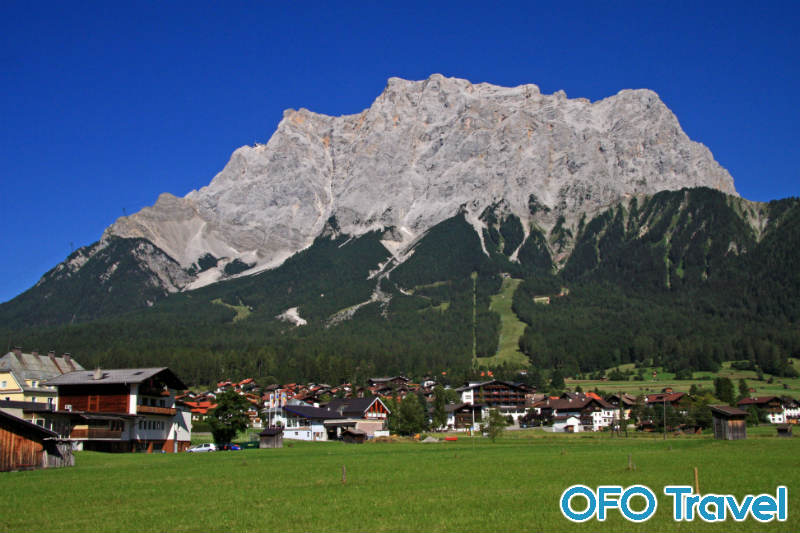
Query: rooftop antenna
124, 212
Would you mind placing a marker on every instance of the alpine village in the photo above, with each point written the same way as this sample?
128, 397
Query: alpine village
621, 295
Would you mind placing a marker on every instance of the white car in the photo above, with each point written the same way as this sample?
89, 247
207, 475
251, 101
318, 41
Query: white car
205, 447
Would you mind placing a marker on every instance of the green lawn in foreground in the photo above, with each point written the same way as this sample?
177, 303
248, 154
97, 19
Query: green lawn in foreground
513, 485
511, 328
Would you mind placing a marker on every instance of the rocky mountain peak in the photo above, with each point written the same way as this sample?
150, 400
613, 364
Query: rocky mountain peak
420, 153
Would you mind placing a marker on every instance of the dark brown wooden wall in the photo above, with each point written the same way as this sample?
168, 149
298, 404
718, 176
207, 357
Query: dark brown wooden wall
18, 451
97, 398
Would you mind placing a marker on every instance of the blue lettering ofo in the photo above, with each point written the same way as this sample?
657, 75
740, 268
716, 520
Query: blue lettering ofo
739, 513
677, 492
649, 510
603, 502
710, 508
763, 508
566, 498
719, 508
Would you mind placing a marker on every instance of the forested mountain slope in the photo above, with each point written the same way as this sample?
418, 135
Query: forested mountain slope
687, 278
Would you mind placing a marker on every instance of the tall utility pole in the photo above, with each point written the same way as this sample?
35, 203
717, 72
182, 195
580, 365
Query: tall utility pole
665, 419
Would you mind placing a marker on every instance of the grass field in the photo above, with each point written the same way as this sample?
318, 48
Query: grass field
511, 328
242, 311
779, 387
469, 485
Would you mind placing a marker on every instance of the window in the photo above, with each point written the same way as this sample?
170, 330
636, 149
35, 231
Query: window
3, 384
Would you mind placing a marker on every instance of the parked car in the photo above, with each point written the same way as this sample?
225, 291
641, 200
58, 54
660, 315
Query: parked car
205, 447
229, 446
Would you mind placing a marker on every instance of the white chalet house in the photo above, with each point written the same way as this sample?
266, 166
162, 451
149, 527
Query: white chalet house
307, 423
592, 412
507, 397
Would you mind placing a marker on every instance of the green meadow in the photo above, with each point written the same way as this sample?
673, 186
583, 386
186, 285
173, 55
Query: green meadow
780, 386
511, 329
469, 485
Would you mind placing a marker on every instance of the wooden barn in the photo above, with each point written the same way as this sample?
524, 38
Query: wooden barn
26, 446
730, 423
271, 438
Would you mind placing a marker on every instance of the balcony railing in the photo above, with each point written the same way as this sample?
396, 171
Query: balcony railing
152, 410
91, 433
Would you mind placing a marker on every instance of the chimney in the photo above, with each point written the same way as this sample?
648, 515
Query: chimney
68, 360
52, 355
35, 353
18, 353
98, 374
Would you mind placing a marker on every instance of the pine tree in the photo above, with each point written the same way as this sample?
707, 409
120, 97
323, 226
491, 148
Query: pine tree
557, 381
744, 391
439, 413
411, 416
495, 425
723, 390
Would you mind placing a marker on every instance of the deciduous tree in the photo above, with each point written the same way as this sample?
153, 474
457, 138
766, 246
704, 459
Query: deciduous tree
229, 417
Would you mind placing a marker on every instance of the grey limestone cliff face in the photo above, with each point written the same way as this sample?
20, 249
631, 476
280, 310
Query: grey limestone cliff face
420, 153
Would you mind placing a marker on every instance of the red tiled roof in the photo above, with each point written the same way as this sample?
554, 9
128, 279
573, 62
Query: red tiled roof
200, 408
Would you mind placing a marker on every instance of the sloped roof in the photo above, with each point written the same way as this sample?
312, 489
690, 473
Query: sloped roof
568, 404
38, 367
311, 412
117, 376
386, 379
760, 400
625, 399
661, 397
452, 407
27, 428
353, 406
727, 411
511, 384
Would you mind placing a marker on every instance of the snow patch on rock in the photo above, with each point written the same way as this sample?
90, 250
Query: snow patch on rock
292, 315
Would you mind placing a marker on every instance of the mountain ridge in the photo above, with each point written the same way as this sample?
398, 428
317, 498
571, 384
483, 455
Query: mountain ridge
421, 152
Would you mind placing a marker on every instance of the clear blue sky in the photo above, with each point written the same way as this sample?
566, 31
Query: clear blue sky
104, 105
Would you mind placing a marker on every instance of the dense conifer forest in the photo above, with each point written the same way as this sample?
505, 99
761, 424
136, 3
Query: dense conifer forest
683, 279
